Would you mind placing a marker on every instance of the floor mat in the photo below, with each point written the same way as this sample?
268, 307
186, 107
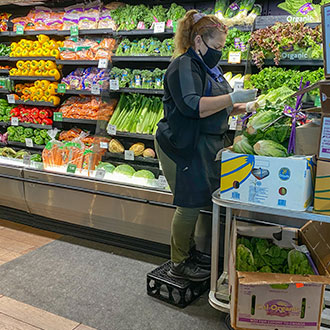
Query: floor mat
100, 286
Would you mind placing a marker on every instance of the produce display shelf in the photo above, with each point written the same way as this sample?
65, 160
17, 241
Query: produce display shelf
4, 91
83, 92
23, 145
295, 62
30, 125
37, 104
141, 58
86, 32
4, 71
31, 58
32, 78
135, 136
225, 63
144, 32
4, 123
78, 62
141, 91
80, 121
112, 155
4, 58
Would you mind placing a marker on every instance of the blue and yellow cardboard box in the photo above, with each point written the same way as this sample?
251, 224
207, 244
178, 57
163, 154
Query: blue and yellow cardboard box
286, 183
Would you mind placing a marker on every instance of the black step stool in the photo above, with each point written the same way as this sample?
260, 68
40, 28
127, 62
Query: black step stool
177, 292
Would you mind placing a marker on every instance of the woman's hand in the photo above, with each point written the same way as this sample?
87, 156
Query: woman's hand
238, 109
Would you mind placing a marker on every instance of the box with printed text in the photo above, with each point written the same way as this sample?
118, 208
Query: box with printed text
285, 183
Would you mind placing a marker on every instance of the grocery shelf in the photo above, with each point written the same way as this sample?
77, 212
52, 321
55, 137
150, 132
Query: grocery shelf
78, 62
225, 63
32, 78
4, 58
30, 125
4, 91
112, 155
141, 91
4, 71
135, 136
141, 58
37, 104
144, 32
31, 58
83, 92
4, 123
80, 121
295, 62
23, 145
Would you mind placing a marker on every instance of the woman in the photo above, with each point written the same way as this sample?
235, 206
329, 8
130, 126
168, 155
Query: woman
197, 103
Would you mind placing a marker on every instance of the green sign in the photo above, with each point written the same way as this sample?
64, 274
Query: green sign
74, 30
19, 29
58, 116
175, 26
317, 102
61, 88
71, 168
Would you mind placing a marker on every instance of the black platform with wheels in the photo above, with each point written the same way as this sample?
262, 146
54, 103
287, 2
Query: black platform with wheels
177, 292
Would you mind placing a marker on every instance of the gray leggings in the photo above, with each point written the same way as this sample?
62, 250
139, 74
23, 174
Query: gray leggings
184, 219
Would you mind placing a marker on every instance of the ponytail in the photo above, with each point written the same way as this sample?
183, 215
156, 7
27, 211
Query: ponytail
192, 24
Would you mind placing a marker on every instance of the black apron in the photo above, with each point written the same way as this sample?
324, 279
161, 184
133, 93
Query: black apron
197, 180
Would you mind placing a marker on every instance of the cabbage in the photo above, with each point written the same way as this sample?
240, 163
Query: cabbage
106, 166
124, 169
242, 145
270, 148
145, 174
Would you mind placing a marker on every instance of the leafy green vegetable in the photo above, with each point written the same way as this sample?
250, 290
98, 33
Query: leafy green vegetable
244, 259
298, 263
241, 145
124, 169
260, 120
106, 166
270, 148
145, 174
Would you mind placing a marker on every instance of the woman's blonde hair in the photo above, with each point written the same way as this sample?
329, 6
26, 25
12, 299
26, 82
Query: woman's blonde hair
192, 24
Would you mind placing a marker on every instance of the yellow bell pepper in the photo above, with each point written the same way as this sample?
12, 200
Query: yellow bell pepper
55, 73
27, 64
35, 99
46, 53
25, 53
32, 72
44, 99
50, 65
19, 88
26, 91
21, 43
29, 44
20, 64
44, 84
32, 53
54, 99
18, 52
45, 73
13, 46
38, 72
45, 45
34, 65
39, 93
37, 83
43, 38
18, 72
55, 53
25, 72
51, 89
41, 64
36, 45
39, 52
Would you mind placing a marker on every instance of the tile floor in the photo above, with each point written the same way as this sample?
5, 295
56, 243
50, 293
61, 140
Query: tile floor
15, 241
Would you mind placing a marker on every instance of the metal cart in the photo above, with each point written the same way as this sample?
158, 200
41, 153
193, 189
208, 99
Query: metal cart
218, 296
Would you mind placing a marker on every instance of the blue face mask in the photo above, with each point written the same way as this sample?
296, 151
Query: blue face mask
211, 57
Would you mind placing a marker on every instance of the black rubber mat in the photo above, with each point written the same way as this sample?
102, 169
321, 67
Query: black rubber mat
100, 286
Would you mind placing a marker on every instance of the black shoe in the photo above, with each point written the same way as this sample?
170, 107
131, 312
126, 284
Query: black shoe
189, 271
200, 259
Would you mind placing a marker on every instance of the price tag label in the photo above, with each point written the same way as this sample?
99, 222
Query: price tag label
61, 88
19, 29
100, 173
74, 31
162, 182
29, 142
317, 101
159, 27
103, 63
233, 123
114, 84
96, 90
71, 168
129, 155
112, 129
175, 26
11, 98
238, 85
57, 116
234, 57
104, 145
27, 160
14, 121
39, 166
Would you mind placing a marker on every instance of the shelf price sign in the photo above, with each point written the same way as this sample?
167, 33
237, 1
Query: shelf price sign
162, 182
71, 168
61, 88
100, 173
104, 145
74, 31
159, 27
114, 84
103, 63
96, 90
19, 29
27, 160
11, 98
129, 155
14, 121
58, 116
112, 130
29, 142
234, 57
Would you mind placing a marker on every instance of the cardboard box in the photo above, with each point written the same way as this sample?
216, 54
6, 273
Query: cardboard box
307, 138
324, 144
285, 183
322, 188
256, 303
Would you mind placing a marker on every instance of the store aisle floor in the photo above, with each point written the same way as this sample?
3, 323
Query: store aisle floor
94, 284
